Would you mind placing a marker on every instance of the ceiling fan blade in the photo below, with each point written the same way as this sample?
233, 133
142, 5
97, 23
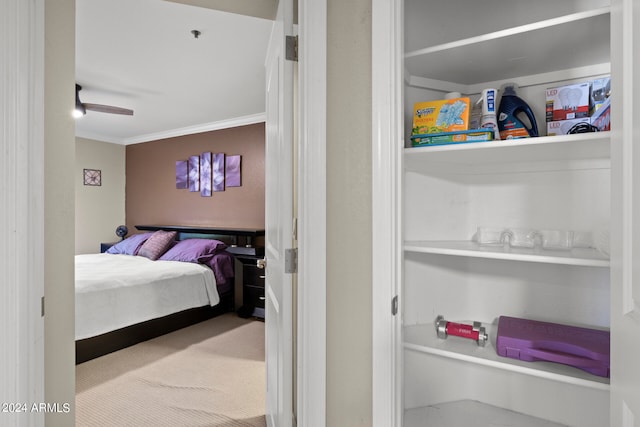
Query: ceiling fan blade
108, 109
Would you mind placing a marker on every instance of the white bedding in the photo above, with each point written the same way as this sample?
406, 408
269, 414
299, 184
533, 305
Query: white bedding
114, 291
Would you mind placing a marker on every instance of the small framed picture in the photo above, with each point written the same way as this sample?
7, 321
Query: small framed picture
92, 177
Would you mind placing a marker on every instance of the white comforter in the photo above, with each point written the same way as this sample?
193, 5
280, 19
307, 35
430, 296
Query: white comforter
114, 291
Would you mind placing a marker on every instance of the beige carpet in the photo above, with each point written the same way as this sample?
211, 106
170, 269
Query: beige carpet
209, 374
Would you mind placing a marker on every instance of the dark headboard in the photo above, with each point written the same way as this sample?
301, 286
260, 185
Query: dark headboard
240, 238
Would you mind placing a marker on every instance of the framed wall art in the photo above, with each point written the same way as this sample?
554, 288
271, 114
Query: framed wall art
194, 173
209, 172
182, 174
218, 172
92, 177
205, 174
232, 171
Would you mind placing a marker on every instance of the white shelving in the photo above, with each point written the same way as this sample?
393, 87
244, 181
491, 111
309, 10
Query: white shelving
565, 152
516, 51
423, 339
449, 190
470, 413
586, 257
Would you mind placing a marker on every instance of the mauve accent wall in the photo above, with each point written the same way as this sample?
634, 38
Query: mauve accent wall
152, 197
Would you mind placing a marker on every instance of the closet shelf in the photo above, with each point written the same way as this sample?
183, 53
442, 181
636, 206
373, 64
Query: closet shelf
562, 152
423, 339
585, 257
470, 413
575, 40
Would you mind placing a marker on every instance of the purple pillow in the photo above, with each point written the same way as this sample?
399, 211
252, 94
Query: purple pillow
194, 250
157, 244
130, 245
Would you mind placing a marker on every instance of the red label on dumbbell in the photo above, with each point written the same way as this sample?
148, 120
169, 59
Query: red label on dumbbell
461, 330
474, 332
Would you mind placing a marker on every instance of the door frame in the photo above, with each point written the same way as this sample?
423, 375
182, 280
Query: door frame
387, 136
311, 139
311, 337
625, 238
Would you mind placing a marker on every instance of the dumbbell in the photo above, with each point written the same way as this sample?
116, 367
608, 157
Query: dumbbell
474, 332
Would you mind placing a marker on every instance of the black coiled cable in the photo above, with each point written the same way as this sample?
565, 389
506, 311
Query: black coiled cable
583, 128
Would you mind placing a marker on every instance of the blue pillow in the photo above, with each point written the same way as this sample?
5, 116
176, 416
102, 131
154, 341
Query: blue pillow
130, 245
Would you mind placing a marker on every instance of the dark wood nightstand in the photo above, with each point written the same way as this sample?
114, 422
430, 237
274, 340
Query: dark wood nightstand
105, 246
249, 287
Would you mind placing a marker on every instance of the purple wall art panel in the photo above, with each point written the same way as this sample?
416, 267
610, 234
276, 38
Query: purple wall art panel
232, 171
194, 173
182, 174
205, 174
218, 172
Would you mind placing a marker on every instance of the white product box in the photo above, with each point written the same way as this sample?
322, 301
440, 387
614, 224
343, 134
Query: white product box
600, 92
568, 102
562, 127
602, 116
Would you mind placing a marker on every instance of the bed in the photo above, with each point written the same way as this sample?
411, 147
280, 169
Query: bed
152, 283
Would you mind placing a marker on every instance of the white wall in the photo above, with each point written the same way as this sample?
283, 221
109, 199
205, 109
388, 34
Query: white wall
99, 209
59, 212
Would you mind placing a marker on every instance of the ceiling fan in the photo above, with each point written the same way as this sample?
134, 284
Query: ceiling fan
82, 107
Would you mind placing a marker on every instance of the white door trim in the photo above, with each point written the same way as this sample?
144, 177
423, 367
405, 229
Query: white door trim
279, 151
22, 211
387, 143
311, 358
625, 197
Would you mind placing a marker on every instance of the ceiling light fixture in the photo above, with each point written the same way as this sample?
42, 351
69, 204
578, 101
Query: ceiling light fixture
195, 33
82, 107
79, 111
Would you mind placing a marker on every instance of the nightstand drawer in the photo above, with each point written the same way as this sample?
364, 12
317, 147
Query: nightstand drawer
252, 275
249, 287
253, 296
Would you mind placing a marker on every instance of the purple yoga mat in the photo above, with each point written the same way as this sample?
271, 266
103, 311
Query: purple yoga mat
531, 340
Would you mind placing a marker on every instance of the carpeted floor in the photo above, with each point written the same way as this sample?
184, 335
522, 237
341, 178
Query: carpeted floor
209, 374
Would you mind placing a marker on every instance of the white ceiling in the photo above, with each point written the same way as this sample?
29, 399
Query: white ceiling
141, 55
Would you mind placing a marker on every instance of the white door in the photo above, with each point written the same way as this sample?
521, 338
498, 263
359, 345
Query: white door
279, 222
625, 212
21, 214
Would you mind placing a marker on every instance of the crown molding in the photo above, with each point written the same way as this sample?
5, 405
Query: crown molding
188, 130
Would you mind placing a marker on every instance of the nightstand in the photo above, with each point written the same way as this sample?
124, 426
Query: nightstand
105, 246
249, 287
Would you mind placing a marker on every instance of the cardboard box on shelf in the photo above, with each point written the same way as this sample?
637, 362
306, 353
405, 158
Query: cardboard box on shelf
474, 135
602, 116
600, 92
568, 102
445, 115
563, 127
